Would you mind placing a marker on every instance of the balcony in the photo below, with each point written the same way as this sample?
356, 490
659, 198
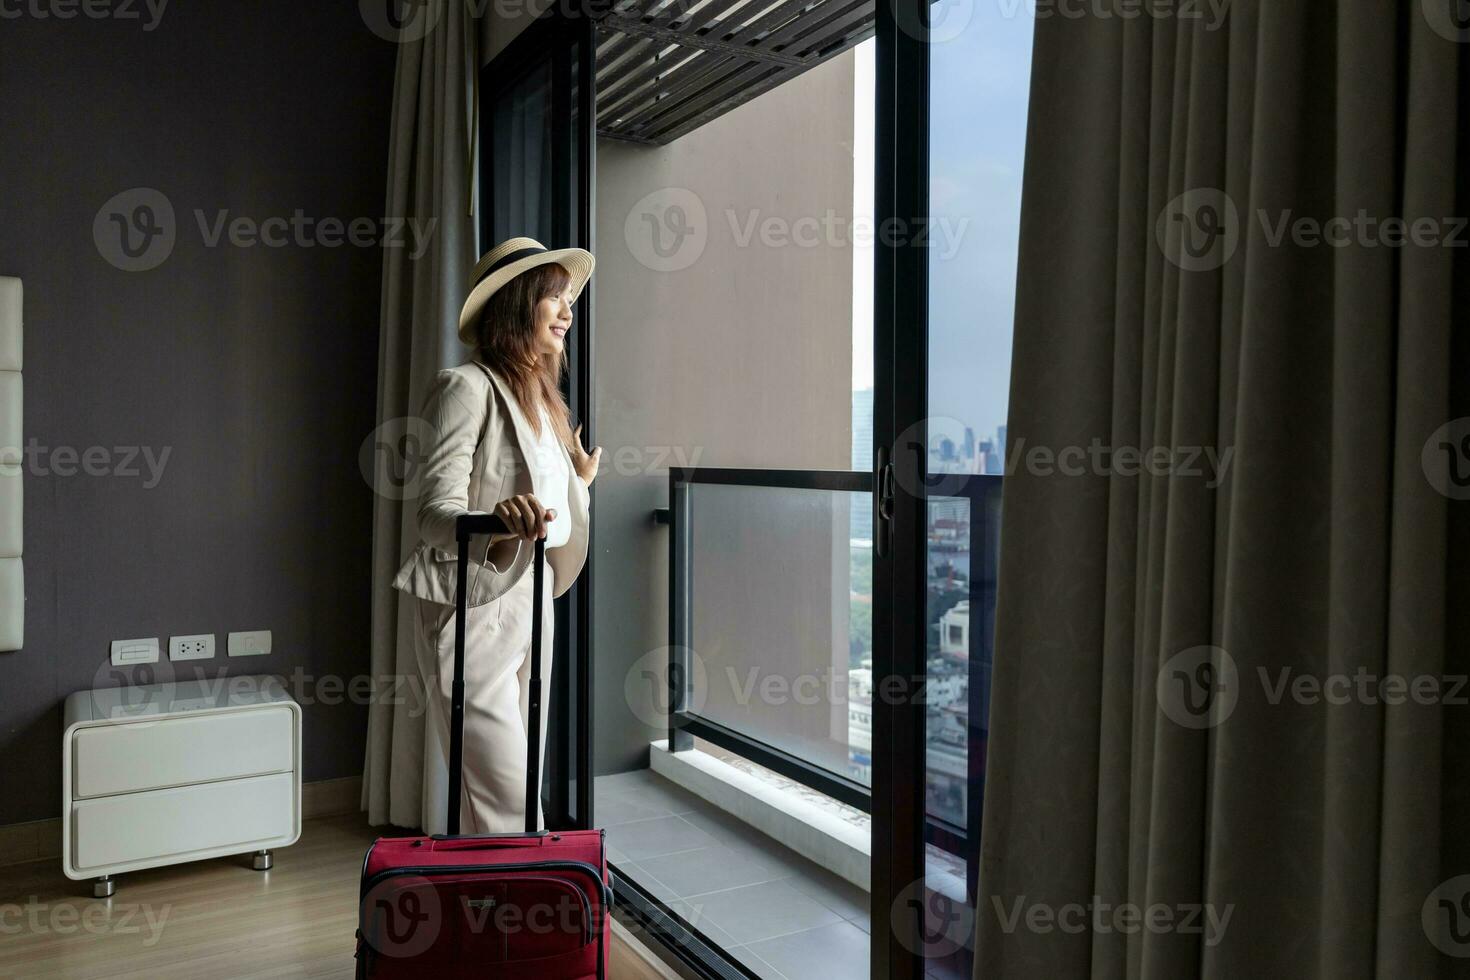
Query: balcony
738, 378
766, 906
748, 834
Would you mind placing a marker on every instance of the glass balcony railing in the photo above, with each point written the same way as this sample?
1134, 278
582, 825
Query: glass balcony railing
771, 587
770, 633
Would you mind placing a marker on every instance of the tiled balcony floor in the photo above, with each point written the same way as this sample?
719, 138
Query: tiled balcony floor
778, 913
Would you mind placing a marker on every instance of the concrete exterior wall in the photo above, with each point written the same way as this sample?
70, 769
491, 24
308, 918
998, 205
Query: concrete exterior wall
740, 358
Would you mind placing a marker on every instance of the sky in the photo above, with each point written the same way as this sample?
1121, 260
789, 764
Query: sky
980, 68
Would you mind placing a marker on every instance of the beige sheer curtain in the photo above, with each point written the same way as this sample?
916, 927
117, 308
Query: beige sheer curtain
429, 179
1161, 305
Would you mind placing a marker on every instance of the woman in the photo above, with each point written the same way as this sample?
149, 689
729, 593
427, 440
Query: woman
500, 441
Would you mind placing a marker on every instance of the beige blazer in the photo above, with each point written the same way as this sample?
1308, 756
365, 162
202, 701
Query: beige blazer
473, 461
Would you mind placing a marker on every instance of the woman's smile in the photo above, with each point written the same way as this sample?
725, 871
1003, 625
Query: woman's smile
553, 318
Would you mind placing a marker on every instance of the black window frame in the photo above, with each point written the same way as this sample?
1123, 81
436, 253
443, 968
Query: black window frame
897, 797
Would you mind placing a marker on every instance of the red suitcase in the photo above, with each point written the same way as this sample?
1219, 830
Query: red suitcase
529, 905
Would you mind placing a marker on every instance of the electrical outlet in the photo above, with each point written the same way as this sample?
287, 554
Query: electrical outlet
144, 651
200, 646
251, 643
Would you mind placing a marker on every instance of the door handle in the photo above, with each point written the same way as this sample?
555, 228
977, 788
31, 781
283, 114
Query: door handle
882, 502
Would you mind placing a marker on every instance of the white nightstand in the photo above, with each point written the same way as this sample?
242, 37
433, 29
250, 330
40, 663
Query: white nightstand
165, 773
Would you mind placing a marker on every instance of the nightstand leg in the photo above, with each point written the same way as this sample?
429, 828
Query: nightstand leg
104, 886
263, 861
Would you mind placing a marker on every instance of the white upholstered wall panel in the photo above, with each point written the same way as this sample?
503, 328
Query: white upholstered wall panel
12, 579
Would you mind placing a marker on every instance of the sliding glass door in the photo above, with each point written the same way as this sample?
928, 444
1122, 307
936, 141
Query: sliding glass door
536, 159
954, 79
809, 229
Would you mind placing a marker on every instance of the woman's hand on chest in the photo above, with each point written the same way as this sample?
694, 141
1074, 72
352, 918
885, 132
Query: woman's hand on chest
583, 462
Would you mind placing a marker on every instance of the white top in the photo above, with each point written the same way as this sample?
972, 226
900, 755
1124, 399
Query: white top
553, 469
174, 697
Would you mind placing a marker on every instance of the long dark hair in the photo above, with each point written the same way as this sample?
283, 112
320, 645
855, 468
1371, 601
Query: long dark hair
506, 342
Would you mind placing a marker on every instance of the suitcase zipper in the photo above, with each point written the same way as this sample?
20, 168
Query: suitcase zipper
604, 891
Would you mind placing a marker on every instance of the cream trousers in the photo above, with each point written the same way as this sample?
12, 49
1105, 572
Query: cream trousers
497, 688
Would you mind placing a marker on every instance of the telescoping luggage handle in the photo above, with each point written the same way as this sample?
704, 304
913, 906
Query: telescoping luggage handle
464, 526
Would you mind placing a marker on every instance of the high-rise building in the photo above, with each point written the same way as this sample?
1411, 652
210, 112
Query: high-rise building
989, 458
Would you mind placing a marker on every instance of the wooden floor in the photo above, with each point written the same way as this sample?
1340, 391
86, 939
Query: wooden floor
210, 919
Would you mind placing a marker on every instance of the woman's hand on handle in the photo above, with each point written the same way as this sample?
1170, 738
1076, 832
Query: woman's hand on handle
525, 517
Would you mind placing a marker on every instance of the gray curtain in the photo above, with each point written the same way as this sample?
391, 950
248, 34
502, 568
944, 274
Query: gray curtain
1129, 763
430, 175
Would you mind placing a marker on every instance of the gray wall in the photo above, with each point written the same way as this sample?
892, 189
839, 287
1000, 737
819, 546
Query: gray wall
743, 358
255, 368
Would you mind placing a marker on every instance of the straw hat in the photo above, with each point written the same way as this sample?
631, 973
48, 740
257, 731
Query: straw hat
506, 261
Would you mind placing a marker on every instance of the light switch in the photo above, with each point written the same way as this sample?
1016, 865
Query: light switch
144, 651
251, 643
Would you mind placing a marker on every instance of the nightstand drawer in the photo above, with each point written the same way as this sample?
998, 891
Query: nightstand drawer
176, 822
134, 756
